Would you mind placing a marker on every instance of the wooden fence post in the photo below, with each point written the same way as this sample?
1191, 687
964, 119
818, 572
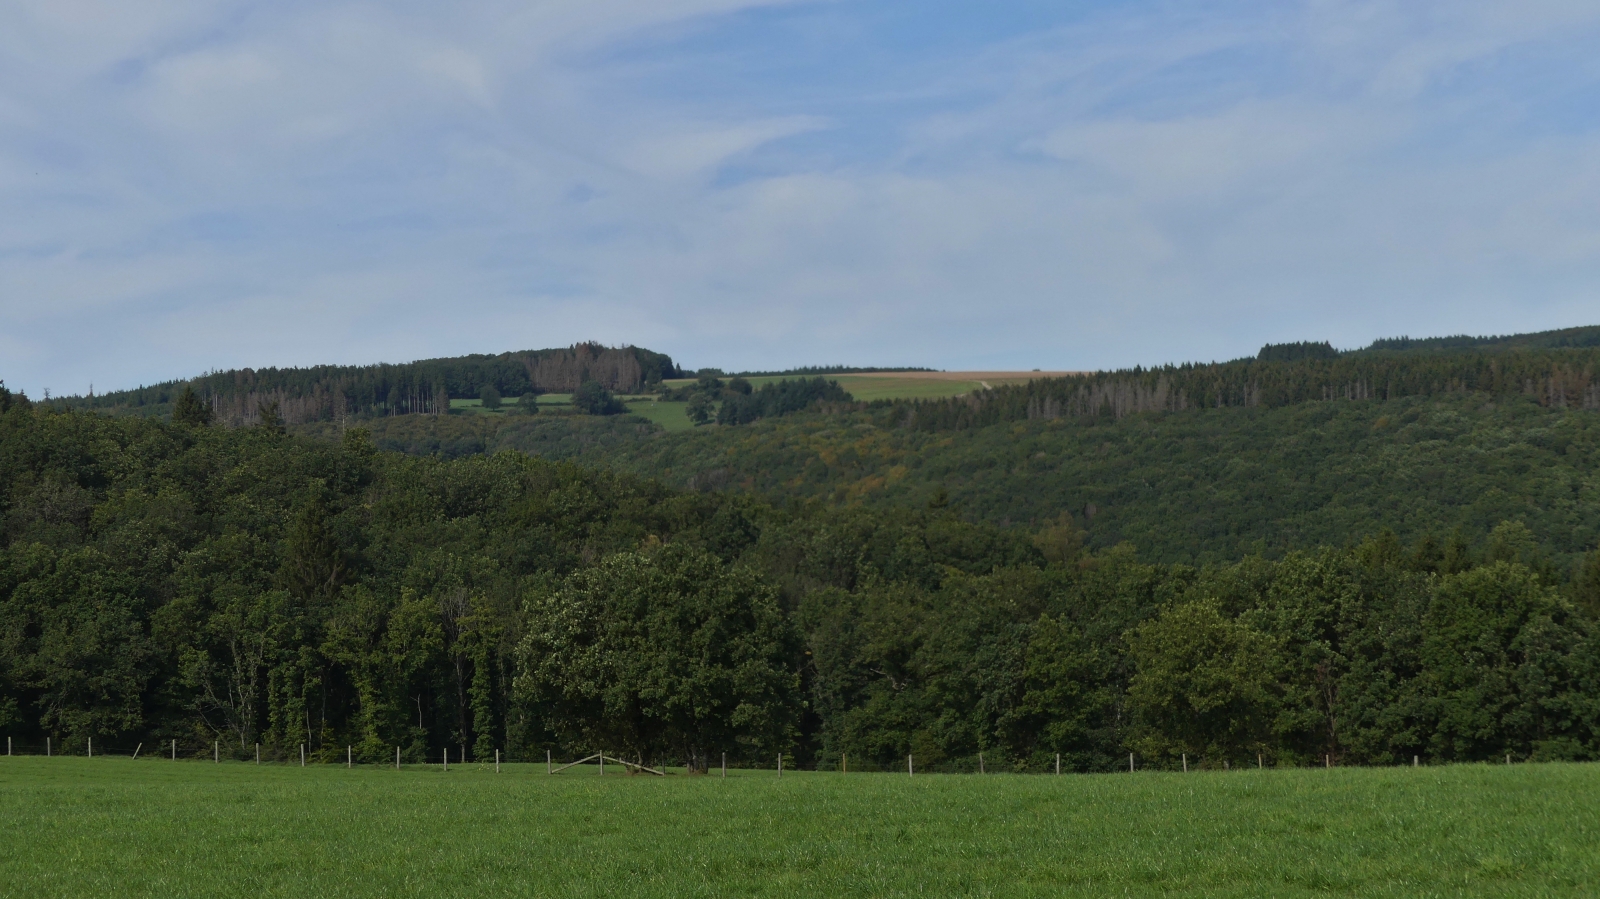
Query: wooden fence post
911, 768
258, 753
216, 751
91, 747
1185, 763
980, 763
724, 764
1058, 763
497, 761
349, 756
1130, 763
302, 755
547, 761
397, 758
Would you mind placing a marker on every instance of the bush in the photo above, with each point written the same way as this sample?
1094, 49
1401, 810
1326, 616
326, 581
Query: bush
592, 399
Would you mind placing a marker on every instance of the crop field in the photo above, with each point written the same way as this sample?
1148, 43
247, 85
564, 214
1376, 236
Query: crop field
119, 827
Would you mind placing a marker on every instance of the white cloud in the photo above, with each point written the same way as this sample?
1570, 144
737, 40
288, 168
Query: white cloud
211, 184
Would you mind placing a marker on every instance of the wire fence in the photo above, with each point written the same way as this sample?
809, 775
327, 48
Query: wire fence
554, 761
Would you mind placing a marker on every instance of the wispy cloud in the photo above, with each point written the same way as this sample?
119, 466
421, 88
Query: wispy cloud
206, 184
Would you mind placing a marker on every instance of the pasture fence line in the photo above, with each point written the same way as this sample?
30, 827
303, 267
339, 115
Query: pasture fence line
504, 760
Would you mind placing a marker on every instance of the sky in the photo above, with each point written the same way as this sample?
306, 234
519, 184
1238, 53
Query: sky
190, 185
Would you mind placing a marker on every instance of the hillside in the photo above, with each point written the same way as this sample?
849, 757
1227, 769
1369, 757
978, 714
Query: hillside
231, 586
343, 392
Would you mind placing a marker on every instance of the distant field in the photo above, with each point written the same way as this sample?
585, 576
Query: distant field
914, 384
116, 827
671, 416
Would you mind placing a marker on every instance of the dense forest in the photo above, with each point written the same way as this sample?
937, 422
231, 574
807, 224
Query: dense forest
1205, 485
202, 583
341, 392
1562, 378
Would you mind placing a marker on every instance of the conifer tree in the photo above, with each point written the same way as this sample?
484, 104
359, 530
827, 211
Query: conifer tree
190, 409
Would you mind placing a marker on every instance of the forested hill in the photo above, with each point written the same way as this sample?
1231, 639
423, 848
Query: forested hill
1557, 374
222, 587
332, 392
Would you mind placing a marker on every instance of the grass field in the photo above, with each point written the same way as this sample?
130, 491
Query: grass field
117, 827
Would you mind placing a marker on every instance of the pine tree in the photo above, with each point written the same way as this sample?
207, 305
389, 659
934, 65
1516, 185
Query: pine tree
190, 409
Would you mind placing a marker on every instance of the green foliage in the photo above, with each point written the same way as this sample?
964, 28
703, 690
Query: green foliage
593, 399
334, 393
1199, 486
1204, 684
1559, 378
1291, 352
701, 409
190, 409
490, 397
161, 580
744, 405
663, 650
528, 404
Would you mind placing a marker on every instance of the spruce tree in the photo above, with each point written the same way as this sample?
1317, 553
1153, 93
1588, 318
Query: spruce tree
190, 409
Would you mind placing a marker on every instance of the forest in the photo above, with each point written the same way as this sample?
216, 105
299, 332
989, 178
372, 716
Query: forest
343, 392
182, 580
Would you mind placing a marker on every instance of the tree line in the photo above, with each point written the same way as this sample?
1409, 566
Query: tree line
163, 581
1564, 378
341, 392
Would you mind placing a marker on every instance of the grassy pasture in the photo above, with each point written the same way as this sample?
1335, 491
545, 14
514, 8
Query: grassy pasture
114, 826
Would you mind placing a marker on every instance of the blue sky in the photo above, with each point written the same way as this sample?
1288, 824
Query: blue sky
200, 184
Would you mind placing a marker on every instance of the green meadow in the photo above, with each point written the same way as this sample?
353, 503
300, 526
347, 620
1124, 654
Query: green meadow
153, 827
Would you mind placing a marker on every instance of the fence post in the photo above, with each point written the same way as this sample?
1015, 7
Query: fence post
1058, 763
447, 758
911, 769
724, 764
1327, 761
497, 761
46, 747
258, 753
8, 745
980, 763
780, 764
349, 757
397, 758
602, 763
1130, 763
302, 755
844, 763
1416, 762
547, 761
1185, 763
1259, 765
